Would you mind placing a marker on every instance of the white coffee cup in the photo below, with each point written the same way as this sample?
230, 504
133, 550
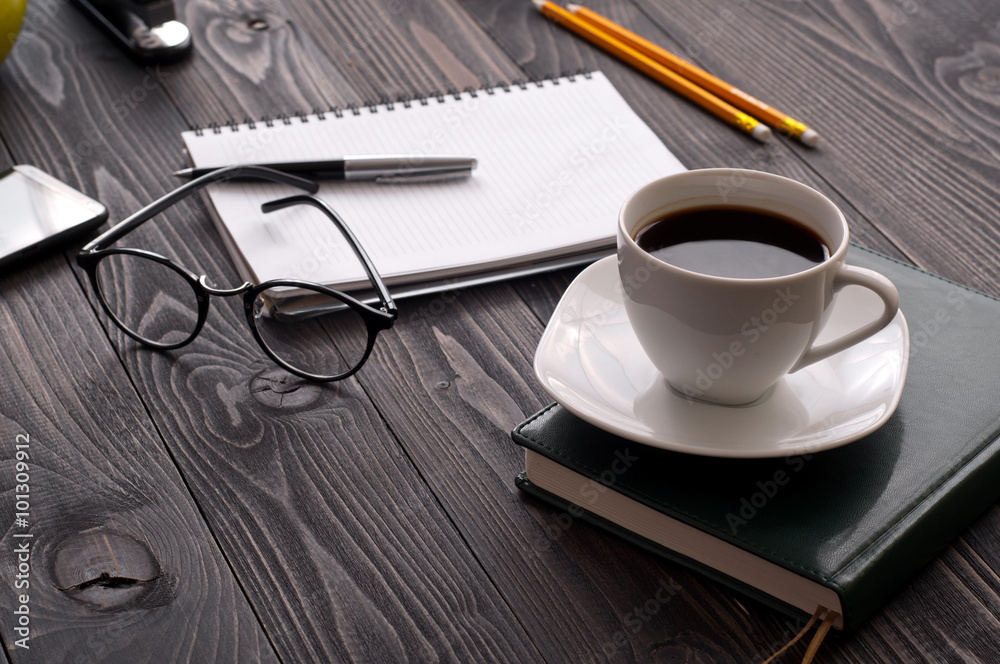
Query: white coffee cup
728, 340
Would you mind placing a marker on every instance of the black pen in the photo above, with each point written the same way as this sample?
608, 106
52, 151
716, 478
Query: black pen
381, 168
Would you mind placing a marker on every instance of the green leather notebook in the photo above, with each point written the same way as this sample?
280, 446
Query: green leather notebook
845, 528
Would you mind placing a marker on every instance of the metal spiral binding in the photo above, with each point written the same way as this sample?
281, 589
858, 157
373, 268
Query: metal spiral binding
387, 104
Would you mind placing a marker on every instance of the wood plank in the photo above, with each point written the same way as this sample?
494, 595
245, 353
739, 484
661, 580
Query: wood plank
948, 53
542, 292
395, 49
902, 182
905, 181
122, 566
579, 591
451, 380
564, 574
952, 233
341, 547
245, 49
302, 489
698, 140
491, 536
249, 60
483, 394
364, 631
538, 53
6, 161
937, 618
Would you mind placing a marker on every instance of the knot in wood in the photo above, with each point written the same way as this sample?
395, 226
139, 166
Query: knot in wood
276, 388
110, 572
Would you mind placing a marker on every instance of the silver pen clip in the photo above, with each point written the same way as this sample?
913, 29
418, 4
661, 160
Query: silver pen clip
417, 178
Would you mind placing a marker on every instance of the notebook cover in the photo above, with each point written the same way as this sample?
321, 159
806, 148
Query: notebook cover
863, 518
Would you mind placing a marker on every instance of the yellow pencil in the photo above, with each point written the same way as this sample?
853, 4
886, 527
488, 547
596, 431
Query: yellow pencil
700, 77
655, 70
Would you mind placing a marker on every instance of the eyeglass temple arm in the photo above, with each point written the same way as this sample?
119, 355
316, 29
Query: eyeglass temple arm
366, 262
123, 227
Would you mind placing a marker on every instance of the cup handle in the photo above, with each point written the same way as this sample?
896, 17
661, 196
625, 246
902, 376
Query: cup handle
849, 275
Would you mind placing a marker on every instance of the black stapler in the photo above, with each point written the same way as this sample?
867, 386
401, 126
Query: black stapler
146, 29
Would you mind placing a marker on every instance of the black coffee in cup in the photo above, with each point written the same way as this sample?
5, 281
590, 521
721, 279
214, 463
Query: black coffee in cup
733, 241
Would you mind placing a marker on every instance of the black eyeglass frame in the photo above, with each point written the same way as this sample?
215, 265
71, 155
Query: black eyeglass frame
376, 319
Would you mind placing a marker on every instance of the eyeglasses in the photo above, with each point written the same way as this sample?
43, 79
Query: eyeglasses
312, 331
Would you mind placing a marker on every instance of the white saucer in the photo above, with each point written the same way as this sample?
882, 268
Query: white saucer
590, 361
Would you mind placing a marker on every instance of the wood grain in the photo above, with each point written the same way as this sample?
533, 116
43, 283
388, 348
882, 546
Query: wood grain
866, 646
449, 410
469, 386
122, 566
590, 572
340, 545
698, 140
904, 181
203, 505
251, 60
390, 49
577, 590
948, 53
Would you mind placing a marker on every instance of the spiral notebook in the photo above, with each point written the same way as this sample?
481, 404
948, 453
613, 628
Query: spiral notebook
556, 159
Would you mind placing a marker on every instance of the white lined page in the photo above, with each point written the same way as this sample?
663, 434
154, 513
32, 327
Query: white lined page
556, 160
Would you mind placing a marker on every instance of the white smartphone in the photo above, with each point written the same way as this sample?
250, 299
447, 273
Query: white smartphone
38, 212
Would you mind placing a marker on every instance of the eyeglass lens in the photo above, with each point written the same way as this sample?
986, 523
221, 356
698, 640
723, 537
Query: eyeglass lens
149, 299
309, 330
312, 331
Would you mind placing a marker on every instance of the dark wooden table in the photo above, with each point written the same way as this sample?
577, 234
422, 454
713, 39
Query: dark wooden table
201, 505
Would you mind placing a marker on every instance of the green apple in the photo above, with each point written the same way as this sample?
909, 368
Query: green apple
11, 16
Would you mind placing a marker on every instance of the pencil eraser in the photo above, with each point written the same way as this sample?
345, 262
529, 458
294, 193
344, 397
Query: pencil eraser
809, 137
762, 133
